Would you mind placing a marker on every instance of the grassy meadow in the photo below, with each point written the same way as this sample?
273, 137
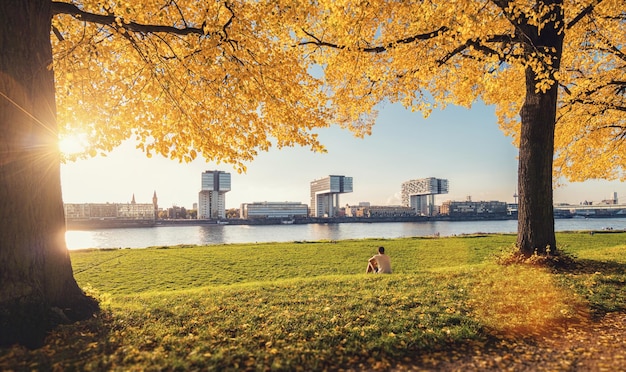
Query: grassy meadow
310, 306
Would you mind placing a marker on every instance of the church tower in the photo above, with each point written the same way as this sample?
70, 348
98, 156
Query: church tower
156, 205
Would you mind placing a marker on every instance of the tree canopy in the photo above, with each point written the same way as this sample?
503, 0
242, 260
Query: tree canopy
224, 78
591, 127
427, 54
184, 79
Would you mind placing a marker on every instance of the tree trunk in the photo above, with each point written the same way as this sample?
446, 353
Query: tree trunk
37, 286
535, 224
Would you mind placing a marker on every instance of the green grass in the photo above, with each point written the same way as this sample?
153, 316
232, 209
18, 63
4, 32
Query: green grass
309, 306
123, 271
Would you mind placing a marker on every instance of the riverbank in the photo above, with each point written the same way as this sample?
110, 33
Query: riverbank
211, 234
86, 224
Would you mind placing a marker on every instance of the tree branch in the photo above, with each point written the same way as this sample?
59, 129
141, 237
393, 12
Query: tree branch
618, 136
618, 52
72, 10
478, 45
519, 22
618, 85
57, 33
588, 9
408, 40
379, 49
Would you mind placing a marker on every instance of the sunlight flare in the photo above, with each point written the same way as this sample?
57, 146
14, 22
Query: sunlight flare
73, 145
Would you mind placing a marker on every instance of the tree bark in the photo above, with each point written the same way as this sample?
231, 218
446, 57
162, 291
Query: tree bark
535, 222
536, 151
37, 286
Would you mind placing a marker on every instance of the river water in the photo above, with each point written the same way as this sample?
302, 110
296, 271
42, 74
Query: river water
229, 234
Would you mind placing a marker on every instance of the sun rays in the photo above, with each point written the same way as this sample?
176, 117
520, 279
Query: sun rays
73, 146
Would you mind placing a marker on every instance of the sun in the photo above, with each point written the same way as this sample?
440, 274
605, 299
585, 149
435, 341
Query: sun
73, 145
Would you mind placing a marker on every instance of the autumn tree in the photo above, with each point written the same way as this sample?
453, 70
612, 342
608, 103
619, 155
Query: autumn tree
184, 78
536, 61
232, 213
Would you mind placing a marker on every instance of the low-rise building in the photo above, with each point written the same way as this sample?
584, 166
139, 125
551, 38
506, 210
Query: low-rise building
129, 211
369, 211
470, 208
273, 210
120, 211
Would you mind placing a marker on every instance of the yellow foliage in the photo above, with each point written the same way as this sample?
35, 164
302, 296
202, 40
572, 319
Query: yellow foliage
225, 80
591, 127
429, 54
225, 91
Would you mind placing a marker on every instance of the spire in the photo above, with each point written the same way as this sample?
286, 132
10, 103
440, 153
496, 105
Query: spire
156, 206
133, 201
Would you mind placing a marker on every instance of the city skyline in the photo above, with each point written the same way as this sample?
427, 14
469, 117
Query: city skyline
464, 146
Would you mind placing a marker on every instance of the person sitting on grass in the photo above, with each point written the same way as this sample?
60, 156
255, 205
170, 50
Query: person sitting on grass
379, 263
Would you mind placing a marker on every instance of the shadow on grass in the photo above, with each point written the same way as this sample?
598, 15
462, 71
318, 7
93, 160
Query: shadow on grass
79, 346
602, 283
588, 266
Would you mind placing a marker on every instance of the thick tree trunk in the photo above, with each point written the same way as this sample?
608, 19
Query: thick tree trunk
535, 223
37, 287
536, 151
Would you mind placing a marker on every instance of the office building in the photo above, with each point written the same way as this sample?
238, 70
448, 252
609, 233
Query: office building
325, 195
212, 196
287, 210
420, 194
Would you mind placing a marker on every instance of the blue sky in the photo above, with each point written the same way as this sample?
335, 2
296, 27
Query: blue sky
462, 145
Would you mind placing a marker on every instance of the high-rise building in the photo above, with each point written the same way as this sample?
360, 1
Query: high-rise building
325, 195
420, 194
212, 196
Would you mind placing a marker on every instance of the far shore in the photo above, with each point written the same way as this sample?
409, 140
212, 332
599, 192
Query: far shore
111, 223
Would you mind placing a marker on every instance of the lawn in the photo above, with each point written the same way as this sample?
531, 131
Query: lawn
309, 305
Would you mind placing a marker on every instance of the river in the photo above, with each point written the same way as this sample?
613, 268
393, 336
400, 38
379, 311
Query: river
229, 234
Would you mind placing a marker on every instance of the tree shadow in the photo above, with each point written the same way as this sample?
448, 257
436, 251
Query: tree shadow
588, 266
77, 346
602, 283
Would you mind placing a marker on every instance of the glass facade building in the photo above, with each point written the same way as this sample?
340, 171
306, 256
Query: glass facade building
420, 194
325, 195
212, 196
274, 210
